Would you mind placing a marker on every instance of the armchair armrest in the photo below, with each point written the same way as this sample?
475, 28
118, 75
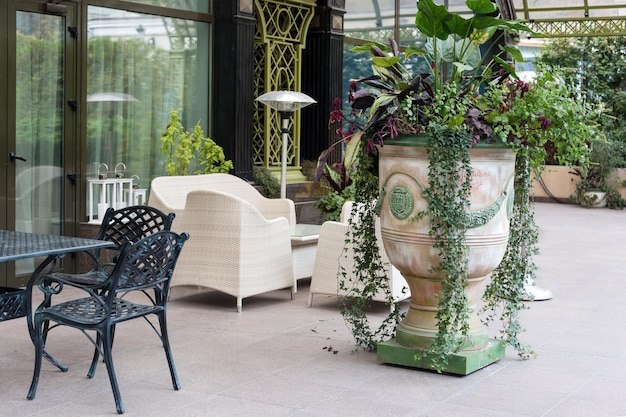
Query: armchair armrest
53, 284
272, 208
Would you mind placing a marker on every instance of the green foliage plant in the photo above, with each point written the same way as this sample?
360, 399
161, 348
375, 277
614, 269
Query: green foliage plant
468, 98
543, 121
595, 65
191, 151
599, 176
337, 177
271, 184
331, 204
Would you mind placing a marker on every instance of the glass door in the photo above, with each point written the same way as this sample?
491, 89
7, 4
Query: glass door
40, 121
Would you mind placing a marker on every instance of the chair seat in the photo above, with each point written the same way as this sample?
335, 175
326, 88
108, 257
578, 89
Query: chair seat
91, 311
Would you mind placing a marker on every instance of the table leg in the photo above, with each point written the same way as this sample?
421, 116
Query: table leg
49, 263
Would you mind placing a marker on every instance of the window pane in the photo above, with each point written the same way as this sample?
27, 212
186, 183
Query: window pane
39, 78
201, 6
140, 67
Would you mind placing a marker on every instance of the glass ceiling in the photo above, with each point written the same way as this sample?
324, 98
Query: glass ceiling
553, 18
568, 9
561, 18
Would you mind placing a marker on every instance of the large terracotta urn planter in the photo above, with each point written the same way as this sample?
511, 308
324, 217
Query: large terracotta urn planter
403, 173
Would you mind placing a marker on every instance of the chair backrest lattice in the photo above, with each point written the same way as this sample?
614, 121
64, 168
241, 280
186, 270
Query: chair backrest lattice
131, 224
147, 263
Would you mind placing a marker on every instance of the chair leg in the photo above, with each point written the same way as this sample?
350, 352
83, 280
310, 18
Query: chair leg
107, 347
309, 303
96, 356
239, 304
165, 340
38, 339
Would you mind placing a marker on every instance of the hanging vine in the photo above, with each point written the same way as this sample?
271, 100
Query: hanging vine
448, 197
505, 292
369, 276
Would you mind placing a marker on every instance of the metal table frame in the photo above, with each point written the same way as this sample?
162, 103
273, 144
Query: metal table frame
22, 245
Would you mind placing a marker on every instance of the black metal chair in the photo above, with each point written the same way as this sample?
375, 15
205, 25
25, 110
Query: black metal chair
126, 225
144, 268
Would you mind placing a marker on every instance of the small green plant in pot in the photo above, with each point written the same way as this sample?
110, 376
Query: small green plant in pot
467, 105
598, 183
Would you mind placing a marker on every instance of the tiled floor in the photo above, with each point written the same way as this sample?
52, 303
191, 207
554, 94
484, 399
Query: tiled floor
280, 358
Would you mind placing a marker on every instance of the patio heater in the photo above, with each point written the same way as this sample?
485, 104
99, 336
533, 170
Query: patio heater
285, 102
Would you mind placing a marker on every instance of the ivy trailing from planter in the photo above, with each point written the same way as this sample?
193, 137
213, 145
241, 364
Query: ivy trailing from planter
448, 198
369, 274
506, 291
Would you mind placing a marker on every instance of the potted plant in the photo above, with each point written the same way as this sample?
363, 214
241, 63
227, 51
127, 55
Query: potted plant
597, 185
472, 125
186, 150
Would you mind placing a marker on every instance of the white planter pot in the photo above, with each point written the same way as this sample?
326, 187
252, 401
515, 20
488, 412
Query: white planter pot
403, 174
596, 199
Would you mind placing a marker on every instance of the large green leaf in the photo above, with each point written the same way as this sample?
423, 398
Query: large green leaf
514, 52
457, 25
367, 47
484, 7
445, 49
414, 50
481, 36
385, 62
430, 19
351, 152
463, 52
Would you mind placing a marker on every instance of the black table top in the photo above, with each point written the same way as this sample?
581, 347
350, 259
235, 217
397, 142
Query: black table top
20, 245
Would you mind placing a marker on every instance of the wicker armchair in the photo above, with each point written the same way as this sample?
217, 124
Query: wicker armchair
169, 193
331, 256
233, 247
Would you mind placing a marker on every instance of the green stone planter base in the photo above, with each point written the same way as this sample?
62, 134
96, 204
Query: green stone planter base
462, 363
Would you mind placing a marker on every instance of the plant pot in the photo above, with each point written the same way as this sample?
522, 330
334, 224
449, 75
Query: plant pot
403, 173
594, 199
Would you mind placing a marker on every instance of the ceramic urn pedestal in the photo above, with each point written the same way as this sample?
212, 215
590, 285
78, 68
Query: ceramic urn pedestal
403, 175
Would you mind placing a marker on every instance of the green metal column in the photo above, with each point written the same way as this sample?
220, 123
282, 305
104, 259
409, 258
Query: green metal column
281, 31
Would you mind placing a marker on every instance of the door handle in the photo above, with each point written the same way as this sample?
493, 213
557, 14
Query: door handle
73, 177
13, 157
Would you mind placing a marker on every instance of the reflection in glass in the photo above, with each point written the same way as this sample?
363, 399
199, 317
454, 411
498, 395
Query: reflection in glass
201, 6
140, 67
39, 104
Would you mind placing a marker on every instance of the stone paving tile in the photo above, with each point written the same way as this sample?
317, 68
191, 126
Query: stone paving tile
273, 359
